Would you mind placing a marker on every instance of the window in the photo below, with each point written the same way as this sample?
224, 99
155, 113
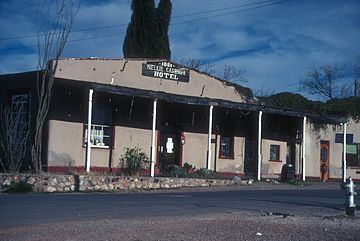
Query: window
274, 152
353, 155
101, 127
226, 147
20, 116
323, 154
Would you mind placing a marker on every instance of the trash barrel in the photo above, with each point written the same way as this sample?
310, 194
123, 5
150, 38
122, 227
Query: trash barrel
290, 171
287, 172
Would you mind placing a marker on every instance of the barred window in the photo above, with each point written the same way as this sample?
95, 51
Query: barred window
226, 147
101, 127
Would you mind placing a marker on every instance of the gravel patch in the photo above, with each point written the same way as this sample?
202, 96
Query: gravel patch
227, 226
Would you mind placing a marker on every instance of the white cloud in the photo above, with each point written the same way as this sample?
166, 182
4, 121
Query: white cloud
275, 44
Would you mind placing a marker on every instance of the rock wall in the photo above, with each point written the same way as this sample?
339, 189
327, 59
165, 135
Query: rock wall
86, 183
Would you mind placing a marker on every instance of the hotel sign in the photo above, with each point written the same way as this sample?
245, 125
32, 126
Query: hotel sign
165, 70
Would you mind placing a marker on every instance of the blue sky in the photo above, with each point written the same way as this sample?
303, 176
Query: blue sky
276, 42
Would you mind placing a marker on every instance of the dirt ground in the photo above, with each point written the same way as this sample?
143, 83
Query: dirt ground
228, 226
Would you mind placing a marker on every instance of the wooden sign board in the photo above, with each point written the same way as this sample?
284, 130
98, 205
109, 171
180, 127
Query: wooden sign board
165, 70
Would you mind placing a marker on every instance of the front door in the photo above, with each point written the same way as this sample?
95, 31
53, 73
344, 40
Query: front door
250, 162
168, 149
324, 160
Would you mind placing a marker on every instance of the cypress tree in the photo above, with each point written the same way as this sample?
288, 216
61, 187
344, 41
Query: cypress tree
139, 34
163, 15
147, 33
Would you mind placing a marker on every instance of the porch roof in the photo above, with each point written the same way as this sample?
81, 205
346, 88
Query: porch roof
120, 90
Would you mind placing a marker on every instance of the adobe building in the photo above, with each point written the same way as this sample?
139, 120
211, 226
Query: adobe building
178, 115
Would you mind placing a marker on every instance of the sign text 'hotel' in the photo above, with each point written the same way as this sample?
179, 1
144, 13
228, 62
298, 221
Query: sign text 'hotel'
165, 70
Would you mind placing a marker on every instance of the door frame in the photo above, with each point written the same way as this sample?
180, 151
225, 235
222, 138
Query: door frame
325, 144
178, 135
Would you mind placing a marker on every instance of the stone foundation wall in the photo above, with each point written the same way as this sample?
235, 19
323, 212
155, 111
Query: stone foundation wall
71, 183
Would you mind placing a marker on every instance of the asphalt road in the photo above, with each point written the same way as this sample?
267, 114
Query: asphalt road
22, 210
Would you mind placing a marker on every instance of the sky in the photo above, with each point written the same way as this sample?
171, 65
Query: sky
276, 42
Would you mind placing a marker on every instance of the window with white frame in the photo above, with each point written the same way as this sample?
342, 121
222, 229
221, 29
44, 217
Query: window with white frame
101, 127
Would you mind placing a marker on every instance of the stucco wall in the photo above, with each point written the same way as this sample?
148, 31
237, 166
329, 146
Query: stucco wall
65, 146
354, 128
195, 149
127, 137
110, 72
272, 167
314, 137
232, 165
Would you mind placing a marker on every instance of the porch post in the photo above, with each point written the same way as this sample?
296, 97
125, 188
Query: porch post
259, 146
344, 154
209, 137
152, 159
303, 154
88, 145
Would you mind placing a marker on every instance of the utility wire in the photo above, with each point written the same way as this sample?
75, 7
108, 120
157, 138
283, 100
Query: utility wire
229, 13
125, 24
269, 3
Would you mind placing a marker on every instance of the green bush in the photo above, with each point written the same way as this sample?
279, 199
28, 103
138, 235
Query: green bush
174, 171
133, 162
189, 168
204, 173
19, 187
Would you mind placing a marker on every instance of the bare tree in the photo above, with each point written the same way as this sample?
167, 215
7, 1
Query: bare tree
357, 67
356, 75
54, 25
232, 74
198, 64
14, 134
263, 92
324, 81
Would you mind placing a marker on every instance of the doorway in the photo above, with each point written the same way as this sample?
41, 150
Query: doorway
324, 160
169, 149
250, 162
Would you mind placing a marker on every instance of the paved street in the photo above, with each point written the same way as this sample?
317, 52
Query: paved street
233, 205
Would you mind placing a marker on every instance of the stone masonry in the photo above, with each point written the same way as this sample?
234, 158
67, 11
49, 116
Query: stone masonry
86, 183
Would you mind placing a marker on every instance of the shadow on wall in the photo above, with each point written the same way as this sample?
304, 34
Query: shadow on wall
335, 171
231, 168
265, 168
62, 159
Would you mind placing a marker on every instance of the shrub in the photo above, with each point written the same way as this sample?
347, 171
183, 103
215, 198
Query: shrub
204, 173
189, 168
133, 162
19, 187
174, 171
